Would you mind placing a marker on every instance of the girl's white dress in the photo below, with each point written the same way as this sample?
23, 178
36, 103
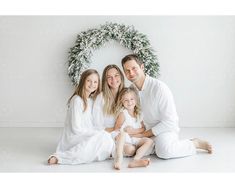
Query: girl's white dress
134, 123
81, 142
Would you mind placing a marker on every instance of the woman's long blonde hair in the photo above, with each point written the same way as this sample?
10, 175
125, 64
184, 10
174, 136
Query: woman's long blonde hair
109, 99
80, 91
119, 106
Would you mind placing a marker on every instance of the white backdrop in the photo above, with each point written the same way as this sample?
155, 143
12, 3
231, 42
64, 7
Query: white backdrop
196, 55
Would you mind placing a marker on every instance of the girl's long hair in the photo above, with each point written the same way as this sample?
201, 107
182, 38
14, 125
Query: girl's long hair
119, 106
110, 100
80, 90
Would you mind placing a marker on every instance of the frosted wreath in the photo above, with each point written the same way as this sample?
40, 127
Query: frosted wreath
92, 39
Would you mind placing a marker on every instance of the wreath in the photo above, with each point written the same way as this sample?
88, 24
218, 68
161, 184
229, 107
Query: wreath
92, 39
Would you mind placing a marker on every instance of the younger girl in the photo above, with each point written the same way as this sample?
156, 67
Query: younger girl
80, 142
130, 121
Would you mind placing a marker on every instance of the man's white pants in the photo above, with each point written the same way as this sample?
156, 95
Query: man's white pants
168, 145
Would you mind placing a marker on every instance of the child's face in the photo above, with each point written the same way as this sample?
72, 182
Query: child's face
91, 83
129, 101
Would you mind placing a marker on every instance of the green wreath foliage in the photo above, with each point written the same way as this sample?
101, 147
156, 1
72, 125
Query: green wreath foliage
88, 41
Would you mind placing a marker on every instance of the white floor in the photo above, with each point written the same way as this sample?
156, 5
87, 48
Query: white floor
27, 149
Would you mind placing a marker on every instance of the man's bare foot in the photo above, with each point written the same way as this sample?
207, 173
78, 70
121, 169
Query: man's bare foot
52, 160
139, 163
202, 144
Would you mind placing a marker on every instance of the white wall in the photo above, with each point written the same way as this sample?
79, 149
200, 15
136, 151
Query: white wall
196, 55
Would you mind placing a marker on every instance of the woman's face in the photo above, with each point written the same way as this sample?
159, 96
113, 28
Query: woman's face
113, 78
91, 83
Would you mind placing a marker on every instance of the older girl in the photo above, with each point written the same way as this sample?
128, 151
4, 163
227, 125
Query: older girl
80, 142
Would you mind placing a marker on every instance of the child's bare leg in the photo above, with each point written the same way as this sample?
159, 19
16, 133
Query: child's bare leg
129, 150
52, 160
144, 145
202, 144
119, 150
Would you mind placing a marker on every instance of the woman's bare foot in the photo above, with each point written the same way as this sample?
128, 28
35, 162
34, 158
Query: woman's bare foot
202, 144
52, 160
139, 163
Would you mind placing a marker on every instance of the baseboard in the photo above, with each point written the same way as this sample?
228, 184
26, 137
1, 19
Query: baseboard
199, 124
30, 124
219, 124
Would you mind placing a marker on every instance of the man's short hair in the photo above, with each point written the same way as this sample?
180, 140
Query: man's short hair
131, 57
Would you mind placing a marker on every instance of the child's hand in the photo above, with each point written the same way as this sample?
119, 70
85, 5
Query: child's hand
117, 137
138, 135
128, 129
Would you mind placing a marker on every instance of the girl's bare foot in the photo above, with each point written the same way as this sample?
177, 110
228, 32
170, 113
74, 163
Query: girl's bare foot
117, 163
52, 160
139, 163
202, 144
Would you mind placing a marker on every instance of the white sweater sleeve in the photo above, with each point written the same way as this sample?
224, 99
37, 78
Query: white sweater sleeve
97, 113
77, 126
168, 114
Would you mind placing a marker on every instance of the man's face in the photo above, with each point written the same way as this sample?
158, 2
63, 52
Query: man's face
133, 70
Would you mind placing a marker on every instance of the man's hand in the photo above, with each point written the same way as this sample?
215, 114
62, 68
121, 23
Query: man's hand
148, 133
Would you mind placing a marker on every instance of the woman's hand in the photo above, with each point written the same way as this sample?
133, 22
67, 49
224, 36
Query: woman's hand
109, 130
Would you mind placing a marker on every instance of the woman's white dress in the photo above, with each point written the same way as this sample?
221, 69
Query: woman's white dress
81, 142
102, 120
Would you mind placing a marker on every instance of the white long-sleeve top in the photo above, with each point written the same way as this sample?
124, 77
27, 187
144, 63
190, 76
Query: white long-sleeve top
101, 120
80, 141
158, 107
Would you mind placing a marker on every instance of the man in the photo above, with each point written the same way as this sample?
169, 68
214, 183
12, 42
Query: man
159, 113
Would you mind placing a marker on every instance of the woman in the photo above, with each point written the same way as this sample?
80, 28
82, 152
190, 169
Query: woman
104, 108
80, 142
104, 105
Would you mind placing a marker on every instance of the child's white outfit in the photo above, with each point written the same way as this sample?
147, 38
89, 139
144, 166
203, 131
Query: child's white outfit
102, 121
134, 123
80, 141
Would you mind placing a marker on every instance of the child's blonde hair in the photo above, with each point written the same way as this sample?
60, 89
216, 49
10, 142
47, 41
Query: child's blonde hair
80, 91
119, 107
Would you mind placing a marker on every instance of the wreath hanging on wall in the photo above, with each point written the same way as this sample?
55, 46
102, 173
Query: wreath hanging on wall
92, 39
